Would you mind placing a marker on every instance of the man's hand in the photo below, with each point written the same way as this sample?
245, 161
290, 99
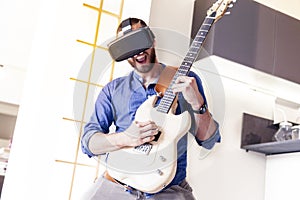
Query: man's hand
188, 87
139, 133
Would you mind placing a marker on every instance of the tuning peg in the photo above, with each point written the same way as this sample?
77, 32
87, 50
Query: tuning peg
233, 1
230, 5
227, 13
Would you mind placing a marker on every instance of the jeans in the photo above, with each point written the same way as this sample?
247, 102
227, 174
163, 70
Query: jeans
104, 189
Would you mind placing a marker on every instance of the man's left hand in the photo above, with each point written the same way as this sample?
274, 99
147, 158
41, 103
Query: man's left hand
188, 86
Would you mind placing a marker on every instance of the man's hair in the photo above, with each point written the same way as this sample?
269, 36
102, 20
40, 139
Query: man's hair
132, 22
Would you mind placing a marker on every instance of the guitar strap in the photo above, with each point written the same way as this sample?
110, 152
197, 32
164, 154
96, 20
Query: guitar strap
165, 79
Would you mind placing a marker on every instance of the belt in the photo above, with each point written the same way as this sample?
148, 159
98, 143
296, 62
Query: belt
126, 187
109, 178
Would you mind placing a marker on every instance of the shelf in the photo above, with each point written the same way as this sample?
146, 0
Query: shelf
271, 148
258, 135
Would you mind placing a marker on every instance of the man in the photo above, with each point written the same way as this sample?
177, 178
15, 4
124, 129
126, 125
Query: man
117, 104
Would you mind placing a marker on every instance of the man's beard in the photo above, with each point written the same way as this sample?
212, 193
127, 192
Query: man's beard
147, 67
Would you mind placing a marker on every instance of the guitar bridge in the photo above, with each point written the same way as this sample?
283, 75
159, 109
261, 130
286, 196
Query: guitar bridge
143, 148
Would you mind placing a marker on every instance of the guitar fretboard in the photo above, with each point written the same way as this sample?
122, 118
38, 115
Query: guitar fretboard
168, 98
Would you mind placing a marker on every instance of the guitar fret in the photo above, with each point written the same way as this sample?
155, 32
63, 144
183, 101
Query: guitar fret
162, 110
200, 36
188, 59
168, 95
185, 64
167, 100
164, 107
185, 67
166, 104
196, 42
208, 17
189, 56
209, 20
194, 49
206, 25
200, 39
188, 63
182, 71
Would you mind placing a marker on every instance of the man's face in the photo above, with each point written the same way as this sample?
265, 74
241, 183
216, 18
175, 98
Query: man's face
144, 61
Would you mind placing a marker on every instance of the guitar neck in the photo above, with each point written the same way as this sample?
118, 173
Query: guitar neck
168, 98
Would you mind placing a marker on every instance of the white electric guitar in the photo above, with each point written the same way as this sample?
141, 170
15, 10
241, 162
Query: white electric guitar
152, 166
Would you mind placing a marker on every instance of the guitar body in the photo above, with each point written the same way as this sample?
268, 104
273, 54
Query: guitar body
153, 171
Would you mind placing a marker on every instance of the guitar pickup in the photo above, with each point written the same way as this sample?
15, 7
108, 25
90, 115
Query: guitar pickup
143, 148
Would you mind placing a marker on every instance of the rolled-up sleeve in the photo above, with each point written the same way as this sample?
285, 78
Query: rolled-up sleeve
85, 141
210, 142
100, 121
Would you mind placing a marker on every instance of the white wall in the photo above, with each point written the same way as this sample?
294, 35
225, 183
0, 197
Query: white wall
228, 172
17, 22
246, 175
17, 30
39, 128
175, 17
282, 177
11, 79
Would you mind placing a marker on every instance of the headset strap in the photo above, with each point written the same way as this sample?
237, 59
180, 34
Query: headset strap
126, 26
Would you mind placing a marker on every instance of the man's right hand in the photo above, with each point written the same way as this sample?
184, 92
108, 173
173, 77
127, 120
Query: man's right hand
139, 133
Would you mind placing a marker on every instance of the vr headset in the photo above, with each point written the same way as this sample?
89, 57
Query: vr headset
131, 43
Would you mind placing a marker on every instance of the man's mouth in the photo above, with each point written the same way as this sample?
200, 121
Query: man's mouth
141, 58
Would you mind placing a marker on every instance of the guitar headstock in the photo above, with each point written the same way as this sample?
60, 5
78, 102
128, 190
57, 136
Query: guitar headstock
219, 8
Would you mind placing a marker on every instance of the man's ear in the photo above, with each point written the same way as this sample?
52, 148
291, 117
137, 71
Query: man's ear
130, 61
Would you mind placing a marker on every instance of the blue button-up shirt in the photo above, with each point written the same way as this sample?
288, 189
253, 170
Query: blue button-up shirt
117, 104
